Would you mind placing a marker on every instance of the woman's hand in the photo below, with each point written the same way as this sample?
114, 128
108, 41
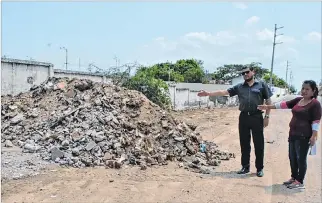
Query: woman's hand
313, 140
262, 107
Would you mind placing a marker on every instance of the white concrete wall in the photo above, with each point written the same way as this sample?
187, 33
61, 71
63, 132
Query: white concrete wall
185, 98
277, 92
18, 77
74, 74
16, 74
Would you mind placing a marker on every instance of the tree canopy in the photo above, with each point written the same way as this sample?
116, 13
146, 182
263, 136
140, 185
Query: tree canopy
230, 71
189, 70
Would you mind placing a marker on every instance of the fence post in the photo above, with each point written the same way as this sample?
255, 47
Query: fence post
174, 97
188, 97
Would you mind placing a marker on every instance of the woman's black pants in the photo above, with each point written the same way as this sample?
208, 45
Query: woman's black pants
298, 150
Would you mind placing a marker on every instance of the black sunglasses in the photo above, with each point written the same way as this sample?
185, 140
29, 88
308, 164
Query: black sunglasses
245, 72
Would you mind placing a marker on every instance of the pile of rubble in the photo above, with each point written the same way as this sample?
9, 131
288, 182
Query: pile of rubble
81, 123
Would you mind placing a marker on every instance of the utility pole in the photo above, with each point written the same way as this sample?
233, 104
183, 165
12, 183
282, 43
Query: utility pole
66, 55
286, 85
274, 44
79, 64
291, 78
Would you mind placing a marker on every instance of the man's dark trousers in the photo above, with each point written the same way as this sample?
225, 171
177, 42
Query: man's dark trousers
251, 123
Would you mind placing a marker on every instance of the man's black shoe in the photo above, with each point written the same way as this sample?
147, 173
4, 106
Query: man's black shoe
260, 173
243, 171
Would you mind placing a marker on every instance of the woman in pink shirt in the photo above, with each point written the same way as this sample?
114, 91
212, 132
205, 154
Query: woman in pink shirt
304, 125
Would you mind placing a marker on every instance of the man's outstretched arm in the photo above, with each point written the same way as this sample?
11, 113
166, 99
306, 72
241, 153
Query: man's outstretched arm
212, 94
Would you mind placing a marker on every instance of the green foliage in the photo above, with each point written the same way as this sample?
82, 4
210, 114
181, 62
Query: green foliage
189, 70
228, 72
150, 80
194, 75
154, 89
277, 82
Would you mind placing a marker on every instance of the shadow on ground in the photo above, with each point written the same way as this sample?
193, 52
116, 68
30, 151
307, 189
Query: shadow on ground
275, 189
232, 175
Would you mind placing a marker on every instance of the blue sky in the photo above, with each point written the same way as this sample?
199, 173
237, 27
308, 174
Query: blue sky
150, 32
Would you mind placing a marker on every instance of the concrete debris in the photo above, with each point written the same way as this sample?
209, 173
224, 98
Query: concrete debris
8, 143
81, 123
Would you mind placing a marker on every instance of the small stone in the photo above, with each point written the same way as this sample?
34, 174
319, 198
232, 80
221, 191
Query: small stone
143, 167
8, 143
113, 164
195, 160
179, 139
17, 119
99, 138
97, 102
204, 170
70, 93
56, 153
164, 124
65, 143
34, 114
117, 145
90, 145
13, 107
107, 156
75, 151
20, 143
30, 147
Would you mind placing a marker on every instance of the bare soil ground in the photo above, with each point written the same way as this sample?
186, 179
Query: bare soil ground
173, 184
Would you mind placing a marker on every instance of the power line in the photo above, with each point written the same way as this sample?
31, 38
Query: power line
273, 54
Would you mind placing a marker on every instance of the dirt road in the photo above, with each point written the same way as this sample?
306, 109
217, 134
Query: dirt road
174, 184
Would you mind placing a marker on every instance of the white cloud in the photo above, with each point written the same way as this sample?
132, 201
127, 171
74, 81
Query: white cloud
222, 38
265, 34
268, 35
240, 5
215, 49
313, 36
252, 20
159, 39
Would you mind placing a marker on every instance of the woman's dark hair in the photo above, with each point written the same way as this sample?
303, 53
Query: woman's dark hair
313, 86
